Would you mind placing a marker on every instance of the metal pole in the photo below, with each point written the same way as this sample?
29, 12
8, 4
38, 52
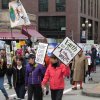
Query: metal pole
12, 41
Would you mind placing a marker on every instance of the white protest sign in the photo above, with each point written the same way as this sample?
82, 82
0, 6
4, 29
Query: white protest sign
2, 44
8, 54
66, 51
41, 52
18, 15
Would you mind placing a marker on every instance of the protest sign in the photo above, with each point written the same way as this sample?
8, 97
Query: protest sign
41, 52
66, 51
8, 54
2, 44
18, 15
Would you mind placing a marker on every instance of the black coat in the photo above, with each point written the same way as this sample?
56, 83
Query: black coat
16, 76
9, 71
3, 69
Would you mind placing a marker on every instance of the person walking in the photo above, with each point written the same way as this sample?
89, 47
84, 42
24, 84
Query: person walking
80, 67
55, 73
19, 78
34, 75
2, 74
93, 57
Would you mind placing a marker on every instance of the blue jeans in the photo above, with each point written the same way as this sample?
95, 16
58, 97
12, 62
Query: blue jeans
2, 87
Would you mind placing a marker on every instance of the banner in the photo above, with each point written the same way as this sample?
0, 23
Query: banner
22, 43
8, 54
66, 51
41, 52
18, 15
18, 46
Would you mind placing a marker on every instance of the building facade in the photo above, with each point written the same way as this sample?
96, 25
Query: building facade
5, 20
77, 19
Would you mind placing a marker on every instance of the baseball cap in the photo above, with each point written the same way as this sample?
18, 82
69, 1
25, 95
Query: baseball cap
31, 56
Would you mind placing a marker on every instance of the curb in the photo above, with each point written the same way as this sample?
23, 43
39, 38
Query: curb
84, 92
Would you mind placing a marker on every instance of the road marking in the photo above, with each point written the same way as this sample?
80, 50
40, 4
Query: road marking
68, 90
14, 95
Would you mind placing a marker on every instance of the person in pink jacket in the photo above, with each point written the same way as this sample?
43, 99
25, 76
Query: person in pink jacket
55, 74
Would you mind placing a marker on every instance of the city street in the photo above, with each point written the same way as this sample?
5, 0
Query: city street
69, 94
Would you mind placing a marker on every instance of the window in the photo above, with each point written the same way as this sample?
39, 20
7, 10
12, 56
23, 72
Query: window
89, 7
52, 25
96, 32
43, 5
90, 31
81, 6
60, 5
84, 6
5, 4
97, 7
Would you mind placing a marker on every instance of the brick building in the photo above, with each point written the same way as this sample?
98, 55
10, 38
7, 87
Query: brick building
5, 21
77, 19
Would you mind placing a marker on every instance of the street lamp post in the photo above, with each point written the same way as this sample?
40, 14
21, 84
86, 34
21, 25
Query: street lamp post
86, 25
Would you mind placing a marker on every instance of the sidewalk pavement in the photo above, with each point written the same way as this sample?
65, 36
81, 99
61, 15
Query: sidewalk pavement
92, 88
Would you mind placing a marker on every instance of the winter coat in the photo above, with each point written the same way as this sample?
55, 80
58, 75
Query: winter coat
56, 76
34, 74
9, 71
18, 74
3, 68
80, 66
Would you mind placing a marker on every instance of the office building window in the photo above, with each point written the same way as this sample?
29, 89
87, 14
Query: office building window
43, 5
81, 6
54, 23
52, 27
90, 31
84, 6
5, 4
96, 32
97, 7
89, 7
60, 5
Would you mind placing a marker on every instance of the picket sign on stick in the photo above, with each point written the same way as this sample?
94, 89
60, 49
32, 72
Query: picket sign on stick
41, 52
66, 51
18, 15
8, 54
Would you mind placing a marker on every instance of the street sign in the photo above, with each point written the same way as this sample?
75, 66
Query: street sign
66, 51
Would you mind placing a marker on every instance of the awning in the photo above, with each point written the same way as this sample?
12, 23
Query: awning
32, 33
12, 36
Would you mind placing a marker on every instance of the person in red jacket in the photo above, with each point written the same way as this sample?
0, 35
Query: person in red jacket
55, 74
